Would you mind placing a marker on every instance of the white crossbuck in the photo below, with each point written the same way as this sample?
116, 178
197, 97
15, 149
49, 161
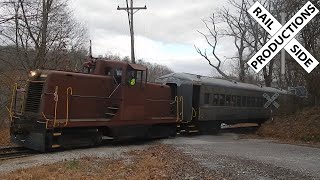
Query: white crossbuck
271, 100
283, 37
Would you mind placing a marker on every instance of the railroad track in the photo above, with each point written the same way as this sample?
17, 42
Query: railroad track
240, 130
15, 152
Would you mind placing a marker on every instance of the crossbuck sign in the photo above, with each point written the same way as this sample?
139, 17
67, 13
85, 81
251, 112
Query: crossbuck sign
271, 100
283, 37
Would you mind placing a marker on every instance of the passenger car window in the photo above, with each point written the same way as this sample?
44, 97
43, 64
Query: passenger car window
206, 98
256, 103
261, 102
215, 101
228, 100
222, 100
238, 101
233, 100
244, 101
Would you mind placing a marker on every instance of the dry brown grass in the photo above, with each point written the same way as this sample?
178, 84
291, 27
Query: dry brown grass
301, 126
157, 162
5, 137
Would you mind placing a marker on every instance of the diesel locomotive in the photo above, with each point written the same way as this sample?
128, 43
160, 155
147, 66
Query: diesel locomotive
110, 99
114, 100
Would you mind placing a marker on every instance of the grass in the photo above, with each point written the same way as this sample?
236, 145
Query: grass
73, 164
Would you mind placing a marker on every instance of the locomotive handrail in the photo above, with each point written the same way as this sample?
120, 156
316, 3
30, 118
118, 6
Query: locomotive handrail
194, 113
23, 99
56, 99
181, 100
176, 99
12, 99
159, 100
114, 90
47, 120
95, 97
67, 118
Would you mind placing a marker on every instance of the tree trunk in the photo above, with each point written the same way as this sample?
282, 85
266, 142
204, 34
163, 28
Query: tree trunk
46, 6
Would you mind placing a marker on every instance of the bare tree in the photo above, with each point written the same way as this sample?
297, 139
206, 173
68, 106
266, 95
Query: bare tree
213, 34
155, 70
37, 34
39, 27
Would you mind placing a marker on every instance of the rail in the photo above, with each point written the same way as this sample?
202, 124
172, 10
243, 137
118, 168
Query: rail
15, 152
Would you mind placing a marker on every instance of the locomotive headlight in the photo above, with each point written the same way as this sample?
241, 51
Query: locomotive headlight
33, 73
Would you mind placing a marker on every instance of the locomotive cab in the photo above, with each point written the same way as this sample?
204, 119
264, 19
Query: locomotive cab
120, 72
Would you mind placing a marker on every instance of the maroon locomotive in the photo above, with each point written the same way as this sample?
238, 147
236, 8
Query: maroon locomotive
110, 99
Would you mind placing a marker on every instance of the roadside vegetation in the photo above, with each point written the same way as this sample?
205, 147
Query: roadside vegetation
303, 125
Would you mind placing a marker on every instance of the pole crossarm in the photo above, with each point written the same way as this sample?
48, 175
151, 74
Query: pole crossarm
134, 8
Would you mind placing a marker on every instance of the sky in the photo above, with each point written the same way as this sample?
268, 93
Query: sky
165, 33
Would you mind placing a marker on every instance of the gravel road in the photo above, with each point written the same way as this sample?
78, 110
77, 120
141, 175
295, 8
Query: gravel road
250, 158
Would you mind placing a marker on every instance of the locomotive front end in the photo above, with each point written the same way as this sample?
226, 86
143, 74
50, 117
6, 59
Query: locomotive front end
27, 126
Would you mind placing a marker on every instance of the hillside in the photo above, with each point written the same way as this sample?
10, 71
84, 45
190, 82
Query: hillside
303, 125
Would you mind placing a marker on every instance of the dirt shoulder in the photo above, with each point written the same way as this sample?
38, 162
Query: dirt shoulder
301, 127
156, 162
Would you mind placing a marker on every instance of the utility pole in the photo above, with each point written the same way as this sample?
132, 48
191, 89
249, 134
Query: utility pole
283, 53
130, 11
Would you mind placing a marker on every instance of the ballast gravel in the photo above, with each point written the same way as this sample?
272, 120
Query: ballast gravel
109, 152
225, 156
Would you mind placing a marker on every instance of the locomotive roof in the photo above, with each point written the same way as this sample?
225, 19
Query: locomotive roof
186, 78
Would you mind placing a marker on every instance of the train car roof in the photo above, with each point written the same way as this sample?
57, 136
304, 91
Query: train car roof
186, 78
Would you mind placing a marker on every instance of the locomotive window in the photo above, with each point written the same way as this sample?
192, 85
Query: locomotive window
228, 100
238, 101
215, 101
140, 76
222, 100
107, 71
206, 98
118, 75
244, 101
88, 70
233, 100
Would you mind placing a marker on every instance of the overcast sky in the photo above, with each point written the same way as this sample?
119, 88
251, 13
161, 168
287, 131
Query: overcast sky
164, 33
